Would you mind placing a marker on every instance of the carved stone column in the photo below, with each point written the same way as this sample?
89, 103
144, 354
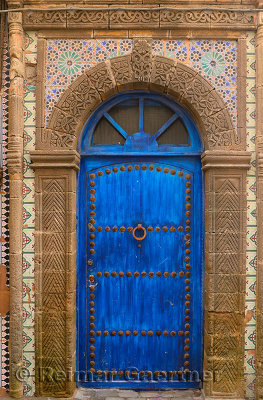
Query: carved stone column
225, 228
259, 154
55, 271
15, 170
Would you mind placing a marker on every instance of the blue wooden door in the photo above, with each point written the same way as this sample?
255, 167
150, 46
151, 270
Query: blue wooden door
140, 264
140, 273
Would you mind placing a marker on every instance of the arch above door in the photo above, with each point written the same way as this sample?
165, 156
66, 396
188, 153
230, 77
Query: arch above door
139, 70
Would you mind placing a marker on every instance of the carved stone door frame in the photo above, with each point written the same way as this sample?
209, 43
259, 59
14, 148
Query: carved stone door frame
225, 162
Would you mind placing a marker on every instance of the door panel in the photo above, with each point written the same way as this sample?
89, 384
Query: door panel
140, 300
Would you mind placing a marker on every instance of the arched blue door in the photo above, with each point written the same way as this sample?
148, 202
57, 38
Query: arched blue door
140, 246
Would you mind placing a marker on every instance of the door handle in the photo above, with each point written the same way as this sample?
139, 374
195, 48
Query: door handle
139, 226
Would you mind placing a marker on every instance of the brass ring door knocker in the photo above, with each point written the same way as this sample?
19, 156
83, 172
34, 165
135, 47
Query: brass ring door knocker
139, 226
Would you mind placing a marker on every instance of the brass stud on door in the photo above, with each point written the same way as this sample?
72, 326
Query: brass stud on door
187, 304
158, 333
92, 340
92, 363
92, 318
98, 333
173, 274
143, 274
158, 169
107, 229
150, 333
165, 229
121, 274
158, 273
92, 325
108, 171
187, 176
136, 274
92, 333
92, 183
115, 169
137, 167
129, 274
92, 191
150, 229
187, 191
187, 318
173, 172
92, 348
143, 333
129, 168
122, 168
157, 229
180, 229
92, 296
92, 176
113, 274
99, 173
186, 363
172, 229
113, 333
115, 229
173, 333
92, 355
99, 274
127, 333
180, 333
166, 274
135, 333
165, 333
151, 167
122, 229
180, 173
120, 333
105, 333
144, 167
106, 274
166, 170
151, 274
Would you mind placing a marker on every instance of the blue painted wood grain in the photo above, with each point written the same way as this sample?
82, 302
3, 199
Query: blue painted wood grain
150, 198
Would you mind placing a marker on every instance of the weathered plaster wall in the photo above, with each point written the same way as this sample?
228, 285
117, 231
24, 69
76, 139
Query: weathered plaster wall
66, 59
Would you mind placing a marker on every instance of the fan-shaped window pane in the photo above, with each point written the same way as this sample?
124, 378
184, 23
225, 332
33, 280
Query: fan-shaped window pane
176, 134
126, 114
105, 133
155, 116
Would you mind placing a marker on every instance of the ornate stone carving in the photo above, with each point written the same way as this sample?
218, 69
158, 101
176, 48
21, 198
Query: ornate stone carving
123, 72
129, 18
101, 78
225, 269
80, 96
88, 19
134, 18
141, 60
44, 19
163, 70
121, 68
213, 18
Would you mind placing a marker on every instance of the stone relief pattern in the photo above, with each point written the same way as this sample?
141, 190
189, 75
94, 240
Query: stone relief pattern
251, 238
29, 223
216, 60
4, 234
225, 302
131, 18
53, 281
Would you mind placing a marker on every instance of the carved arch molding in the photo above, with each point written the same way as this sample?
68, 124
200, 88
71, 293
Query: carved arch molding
224, 163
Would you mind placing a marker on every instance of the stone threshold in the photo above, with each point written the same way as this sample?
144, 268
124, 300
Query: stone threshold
128, 394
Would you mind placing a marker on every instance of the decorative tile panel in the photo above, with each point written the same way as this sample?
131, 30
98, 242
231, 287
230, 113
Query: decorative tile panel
251, 237
29, 223
216, 60
4, 232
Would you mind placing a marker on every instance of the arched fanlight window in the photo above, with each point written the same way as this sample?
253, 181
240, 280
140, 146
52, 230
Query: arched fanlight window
140, 122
